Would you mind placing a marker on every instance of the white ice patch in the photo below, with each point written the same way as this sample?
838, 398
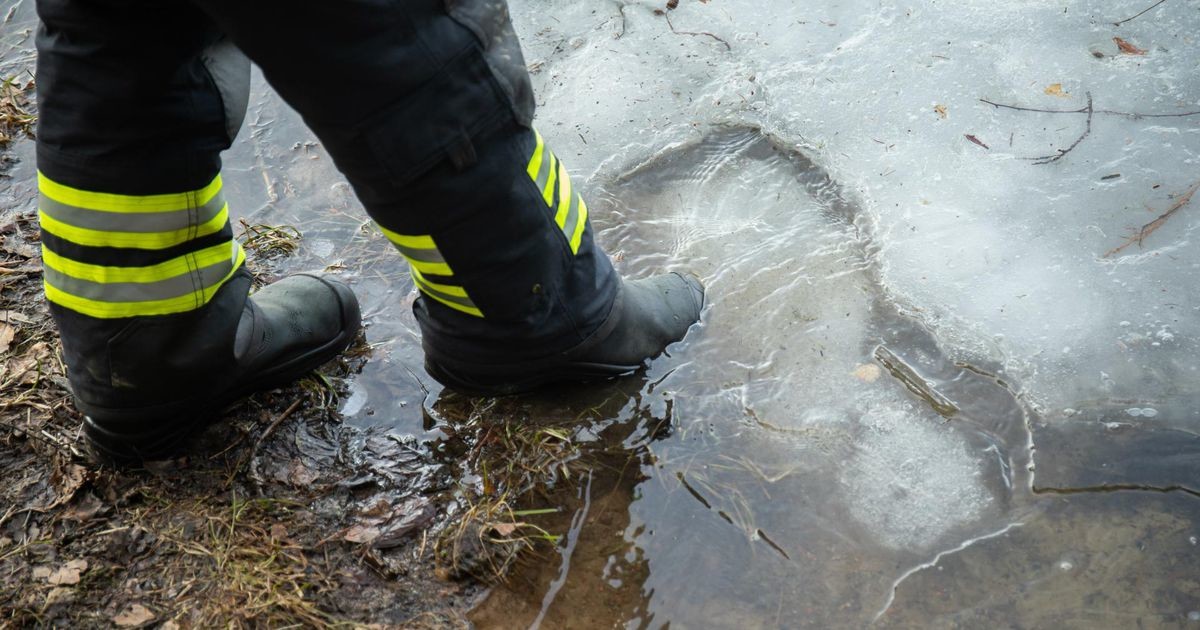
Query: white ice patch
911, 479
999, 256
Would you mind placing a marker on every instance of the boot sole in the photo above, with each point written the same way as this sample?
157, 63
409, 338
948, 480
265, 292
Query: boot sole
186, 418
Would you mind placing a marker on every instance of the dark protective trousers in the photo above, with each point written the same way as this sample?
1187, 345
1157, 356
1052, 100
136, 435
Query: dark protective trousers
430, 121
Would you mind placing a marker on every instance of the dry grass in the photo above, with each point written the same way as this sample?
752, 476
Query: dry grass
15, 118
512, 459
269, 241
231, 563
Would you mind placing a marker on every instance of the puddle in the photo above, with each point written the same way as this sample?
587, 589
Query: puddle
796, 459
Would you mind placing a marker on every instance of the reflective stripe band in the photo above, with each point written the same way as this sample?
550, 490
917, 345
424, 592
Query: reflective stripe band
571, 213
108, 202
153, 273
535, 163
134, 240
104, 221
420, 251
186, 292
542, 169
565, 202
184, 284
548, 186
573, 228
453, 296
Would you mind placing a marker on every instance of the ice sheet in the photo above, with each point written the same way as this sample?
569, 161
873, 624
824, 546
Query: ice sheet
1002, 257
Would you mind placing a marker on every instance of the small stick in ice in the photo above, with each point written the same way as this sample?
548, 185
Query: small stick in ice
1148, 229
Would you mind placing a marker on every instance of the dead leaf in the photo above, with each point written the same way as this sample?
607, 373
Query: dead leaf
278, 531
977, 141
27, 367
867, 372
941, 110
362, 534
41, 573
672, 4
169, 625
67, 479
1127, 48
14, 316
135, 615
384, 526
86, 507
68, 573
6, 337
60, 595
505, 529
1055, 89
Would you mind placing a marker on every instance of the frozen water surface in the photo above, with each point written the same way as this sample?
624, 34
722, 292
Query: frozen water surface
929, 390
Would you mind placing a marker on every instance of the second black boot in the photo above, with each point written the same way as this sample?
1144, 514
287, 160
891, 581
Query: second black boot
647, 315
172, 376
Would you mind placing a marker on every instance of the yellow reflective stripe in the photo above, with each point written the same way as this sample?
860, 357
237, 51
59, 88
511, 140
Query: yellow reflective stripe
448, 289
469, 310
448, 294
548, 191
535, 162
109, 202
133, 240
437, 269
406, 244
154, 273
112, 310
580, 224
404, 240
564, 196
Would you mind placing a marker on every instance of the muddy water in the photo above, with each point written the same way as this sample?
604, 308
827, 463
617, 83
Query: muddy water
809, 457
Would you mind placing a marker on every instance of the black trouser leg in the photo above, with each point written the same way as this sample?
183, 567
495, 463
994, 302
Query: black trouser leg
142, 272
143, 275
425, 107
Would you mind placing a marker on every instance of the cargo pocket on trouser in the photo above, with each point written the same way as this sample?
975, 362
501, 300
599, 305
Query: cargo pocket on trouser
490, 22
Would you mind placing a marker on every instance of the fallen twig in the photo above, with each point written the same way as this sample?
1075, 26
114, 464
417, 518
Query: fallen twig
1148, 229
695, 34
254, 476
1047, 159
1084, 110
1143, 12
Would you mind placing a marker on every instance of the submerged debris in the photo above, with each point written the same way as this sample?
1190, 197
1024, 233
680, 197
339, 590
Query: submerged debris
1141, 233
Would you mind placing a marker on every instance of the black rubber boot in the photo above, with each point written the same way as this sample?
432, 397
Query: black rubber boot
646, 317
285, 330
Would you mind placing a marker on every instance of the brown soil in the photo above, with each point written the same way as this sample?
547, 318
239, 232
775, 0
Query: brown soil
262, 524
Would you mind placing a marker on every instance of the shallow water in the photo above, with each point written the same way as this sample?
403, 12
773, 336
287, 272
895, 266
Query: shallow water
920, 395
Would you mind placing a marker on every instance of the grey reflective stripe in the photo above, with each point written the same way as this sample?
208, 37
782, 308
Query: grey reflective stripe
184, 284
572, 220
549, 163
423, 255
463, 301
133, 222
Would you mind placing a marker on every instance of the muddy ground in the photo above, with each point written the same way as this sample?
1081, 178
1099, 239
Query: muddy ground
242, 531
279, 515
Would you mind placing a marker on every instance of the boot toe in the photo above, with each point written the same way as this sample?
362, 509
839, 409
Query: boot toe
347, 302
695, 289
